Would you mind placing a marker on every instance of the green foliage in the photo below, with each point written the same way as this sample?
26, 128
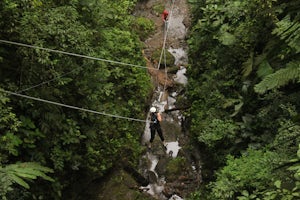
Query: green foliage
288, 135
71, 142
8, 120
288, 29
252, 171
9, 125
158, 8
245, 58
175, 166
144, 27
169, 57
264, 69
296, 167
218, 131
282, 188
21, 173
279, 78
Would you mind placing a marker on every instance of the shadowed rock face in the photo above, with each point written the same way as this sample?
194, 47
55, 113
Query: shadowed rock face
152, 177
141, 180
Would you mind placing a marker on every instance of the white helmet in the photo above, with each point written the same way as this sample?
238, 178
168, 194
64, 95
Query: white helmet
152, 109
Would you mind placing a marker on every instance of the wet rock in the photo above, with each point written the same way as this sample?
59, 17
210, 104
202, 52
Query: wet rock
168, 192
140, 179
119, 185
171, 130
186, 22
152, 177
161, 166
172, 189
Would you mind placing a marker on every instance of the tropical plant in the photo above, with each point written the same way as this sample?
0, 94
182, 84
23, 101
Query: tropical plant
245, 58
252, 171
21, 173
75, 144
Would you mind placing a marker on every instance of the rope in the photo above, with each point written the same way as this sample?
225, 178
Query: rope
166, 33
71, 54
69, 106
166, 71
166, 28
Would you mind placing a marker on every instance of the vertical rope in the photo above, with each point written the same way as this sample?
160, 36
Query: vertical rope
163, 53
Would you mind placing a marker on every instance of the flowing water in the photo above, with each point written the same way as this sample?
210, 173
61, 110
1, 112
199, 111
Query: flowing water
154, 161
157, 180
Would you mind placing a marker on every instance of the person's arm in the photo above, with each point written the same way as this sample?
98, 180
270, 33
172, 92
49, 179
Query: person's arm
159, 117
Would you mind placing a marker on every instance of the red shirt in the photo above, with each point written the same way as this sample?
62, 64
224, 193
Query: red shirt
165, 15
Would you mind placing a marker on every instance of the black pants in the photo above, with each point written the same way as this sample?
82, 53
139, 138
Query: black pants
159, 131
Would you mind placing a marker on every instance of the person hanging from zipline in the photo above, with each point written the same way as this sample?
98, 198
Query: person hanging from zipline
155, 126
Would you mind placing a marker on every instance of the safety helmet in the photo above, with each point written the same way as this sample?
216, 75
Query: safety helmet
165, 12
152, 109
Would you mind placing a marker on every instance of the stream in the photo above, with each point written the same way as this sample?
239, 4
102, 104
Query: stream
158, 154
157, 163
153, 163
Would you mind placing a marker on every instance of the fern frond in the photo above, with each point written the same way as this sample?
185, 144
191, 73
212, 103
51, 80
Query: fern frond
289, 31
18, 180
20, 172
264, 69
280, 78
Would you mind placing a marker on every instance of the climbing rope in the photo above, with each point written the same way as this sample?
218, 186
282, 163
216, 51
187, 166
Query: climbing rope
166, 28
163, 51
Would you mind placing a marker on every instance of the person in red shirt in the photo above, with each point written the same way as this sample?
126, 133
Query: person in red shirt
165, 15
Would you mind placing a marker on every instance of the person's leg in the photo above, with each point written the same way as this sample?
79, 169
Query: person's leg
159, 131
152, 130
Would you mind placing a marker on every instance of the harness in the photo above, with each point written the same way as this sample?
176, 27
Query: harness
154, 121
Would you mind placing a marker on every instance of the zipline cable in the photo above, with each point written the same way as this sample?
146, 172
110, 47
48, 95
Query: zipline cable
45, 82
71, 54
72, 107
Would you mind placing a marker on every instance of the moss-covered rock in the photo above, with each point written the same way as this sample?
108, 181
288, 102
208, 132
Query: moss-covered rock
175, 167
170, 60
117, 186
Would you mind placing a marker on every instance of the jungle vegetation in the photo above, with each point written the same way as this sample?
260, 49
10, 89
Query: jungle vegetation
245, 97
46, 149
243, 91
